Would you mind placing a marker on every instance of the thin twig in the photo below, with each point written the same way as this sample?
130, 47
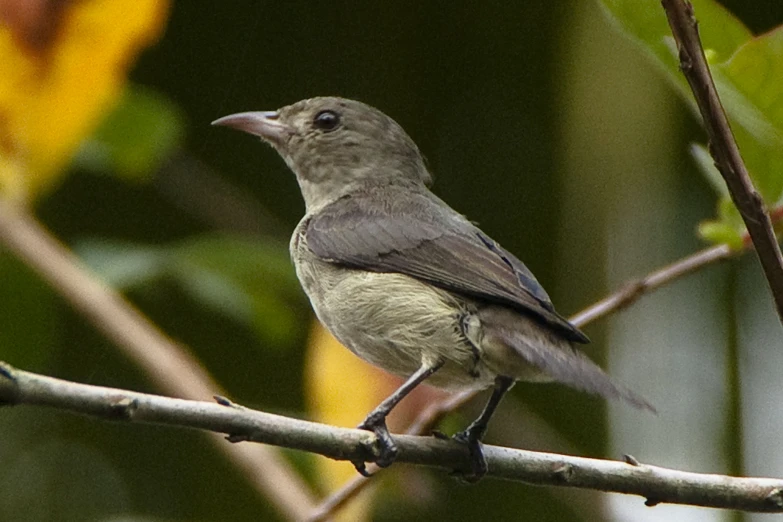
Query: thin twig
723, 146
633, 290
657, 485
170, 365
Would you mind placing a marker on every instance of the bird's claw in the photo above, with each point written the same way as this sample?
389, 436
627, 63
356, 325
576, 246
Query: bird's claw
478, 464
387, 449
361, 467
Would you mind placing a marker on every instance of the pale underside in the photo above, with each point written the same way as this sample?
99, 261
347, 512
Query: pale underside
386, 318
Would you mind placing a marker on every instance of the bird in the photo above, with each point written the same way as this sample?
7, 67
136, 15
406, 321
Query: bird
406, 282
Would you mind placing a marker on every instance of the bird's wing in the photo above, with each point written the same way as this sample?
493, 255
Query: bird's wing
417, 235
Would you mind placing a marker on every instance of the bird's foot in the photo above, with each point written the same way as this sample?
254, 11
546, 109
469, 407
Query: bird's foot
478, 464
386, 450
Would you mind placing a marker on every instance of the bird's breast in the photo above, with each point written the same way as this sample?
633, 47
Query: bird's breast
392, 320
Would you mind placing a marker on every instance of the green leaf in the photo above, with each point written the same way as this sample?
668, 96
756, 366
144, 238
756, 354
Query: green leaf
728, 228
756, 70
747, 72
645, 21
752, 91
249, 261
123, 265
136, 137
251, 281
718, 232
248, 280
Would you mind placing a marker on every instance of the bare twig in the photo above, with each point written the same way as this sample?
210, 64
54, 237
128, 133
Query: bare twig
723, 146
657, 485
170, 365
633, 290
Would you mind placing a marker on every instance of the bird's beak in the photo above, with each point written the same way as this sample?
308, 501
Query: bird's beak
265, 125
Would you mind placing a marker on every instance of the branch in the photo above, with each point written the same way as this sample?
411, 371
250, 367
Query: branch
657, 485
723, 146
424, 423
170, 365
634, 290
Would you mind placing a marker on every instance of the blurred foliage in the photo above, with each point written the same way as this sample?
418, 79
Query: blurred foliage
747, 71
135, 138
476, 85
248, 281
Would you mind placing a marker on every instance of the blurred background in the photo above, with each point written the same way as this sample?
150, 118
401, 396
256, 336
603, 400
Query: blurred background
560, 127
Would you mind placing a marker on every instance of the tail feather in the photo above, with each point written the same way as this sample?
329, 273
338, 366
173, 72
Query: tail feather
558, 358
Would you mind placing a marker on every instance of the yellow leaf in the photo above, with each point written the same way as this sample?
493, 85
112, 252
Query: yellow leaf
341, 390
52, 95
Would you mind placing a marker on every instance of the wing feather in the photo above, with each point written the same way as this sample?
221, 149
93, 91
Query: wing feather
418, 235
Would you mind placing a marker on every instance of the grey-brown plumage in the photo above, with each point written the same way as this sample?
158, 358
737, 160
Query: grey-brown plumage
403, 280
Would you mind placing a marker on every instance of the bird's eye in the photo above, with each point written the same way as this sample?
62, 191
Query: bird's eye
326, 120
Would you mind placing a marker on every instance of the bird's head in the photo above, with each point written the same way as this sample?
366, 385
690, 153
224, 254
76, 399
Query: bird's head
335, 146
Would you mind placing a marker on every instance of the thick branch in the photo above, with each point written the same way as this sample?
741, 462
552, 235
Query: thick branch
723, 146
657, 485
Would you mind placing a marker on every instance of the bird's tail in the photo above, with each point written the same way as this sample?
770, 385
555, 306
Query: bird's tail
557, 358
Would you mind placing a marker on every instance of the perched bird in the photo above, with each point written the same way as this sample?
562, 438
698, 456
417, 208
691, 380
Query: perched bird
403, 280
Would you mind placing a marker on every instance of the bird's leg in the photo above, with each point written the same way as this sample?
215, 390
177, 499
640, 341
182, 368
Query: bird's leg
376, 420
471, 436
